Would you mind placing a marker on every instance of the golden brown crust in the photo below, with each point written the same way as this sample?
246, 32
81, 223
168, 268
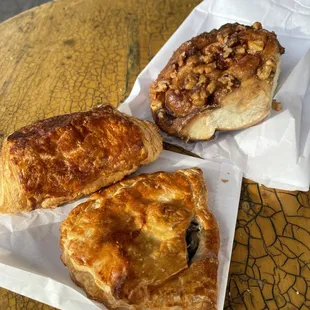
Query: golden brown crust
148, 242
64, 157
207, 69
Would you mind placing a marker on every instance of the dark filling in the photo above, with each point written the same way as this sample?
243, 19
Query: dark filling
192, 240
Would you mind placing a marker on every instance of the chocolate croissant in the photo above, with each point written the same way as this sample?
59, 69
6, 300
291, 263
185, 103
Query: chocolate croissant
62, 158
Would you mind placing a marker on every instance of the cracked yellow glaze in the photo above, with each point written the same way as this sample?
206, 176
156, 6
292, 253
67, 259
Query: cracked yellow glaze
67, 56
270, 265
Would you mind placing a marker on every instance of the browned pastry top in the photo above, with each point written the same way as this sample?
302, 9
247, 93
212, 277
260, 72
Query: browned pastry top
148, 241
61, 155
208, 67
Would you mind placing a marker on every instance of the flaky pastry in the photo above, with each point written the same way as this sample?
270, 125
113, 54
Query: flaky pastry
221, 80
62, 158
149, 242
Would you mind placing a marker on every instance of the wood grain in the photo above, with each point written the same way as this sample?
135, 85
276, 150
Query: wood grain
68, 56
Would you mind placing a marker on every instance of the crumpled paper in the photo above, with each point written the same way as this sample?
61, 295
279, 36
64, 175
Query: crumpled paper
29, 242
276, 152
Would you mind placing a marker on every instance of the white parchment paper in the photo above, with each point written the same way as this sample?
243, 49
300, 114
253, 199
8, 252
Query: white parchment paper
29, 243
276, 152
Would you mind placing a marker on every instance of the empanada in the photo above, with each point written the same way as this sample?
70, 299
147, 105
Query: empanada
148, 242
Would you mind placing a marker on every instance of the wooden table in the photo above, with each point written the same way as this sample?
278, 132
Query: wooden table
67, 56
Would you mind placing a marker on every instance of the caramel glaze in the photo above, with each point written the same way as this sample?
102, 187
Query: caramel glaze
208, 67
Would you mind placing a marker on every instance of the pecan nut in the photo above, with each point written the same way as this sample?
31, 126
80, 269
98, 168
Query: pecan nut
255, 46
264, 71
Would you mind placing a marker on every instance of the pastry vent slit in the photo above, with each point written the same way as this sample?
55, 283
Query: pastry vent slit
192, 240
